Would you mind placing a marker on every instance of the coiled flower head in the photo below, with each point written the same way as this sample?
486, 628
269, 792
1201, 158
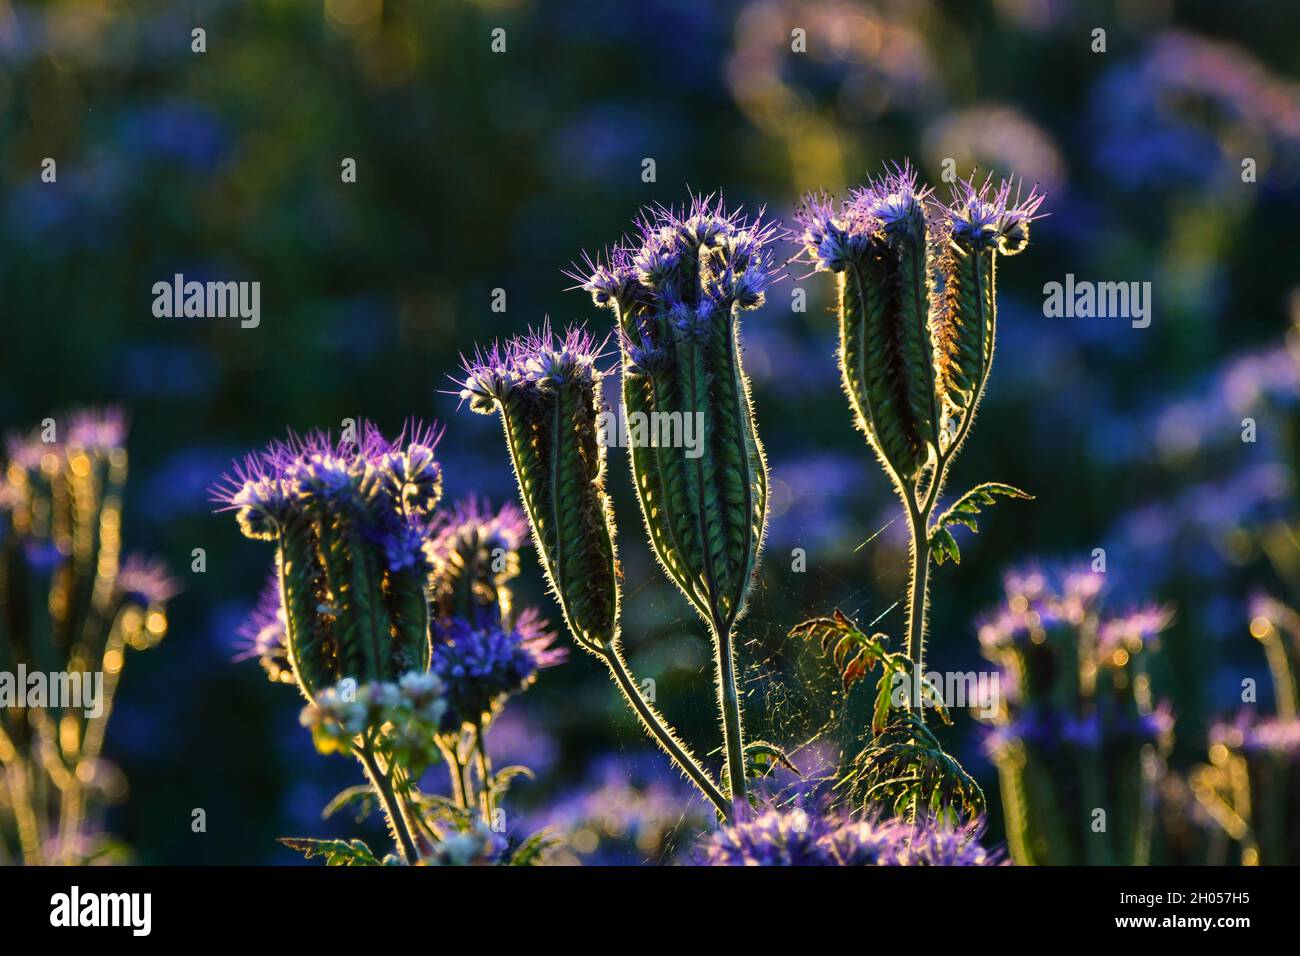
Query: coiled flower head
1075, 700
917, 315
677, 289
983, 216
475, 554
351, 519
546, 388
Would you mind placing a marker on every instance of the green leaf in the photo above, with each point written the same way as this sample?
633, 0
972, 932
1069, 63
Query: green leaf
503, 778
532, 851
335, 852
942, 544
362, 796
906, 771
762, 757
852, 651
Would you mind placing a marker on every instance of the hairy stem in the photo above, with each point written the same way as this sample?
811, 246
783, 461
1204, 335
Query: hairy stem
487, 803
916, 606
396, 822
733, 742
14, 767
663, 734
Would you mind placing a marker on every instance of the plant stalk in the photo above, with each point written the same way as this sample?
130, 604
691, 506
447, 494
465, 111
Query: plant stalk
396, 823
661, 732
733, 742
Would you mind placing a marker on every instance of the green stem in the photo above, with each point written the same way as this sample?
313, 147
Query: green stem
661, 732
918, 521
487, 803
456, 770
20, 798
396, 822
732, 728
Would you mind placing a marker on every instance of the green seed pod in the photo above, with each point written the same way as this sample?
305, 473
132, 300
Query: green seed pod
547, 390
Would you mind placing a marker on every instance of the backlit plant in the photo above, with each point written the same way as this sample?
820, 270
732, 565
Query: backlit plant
70, 607
917, 309
677, 291
396, 622
1077, 741
1251, 786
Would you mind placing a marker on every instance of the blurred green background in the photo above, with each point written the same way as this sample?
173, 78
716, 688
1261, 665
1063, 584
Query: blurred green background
479, 170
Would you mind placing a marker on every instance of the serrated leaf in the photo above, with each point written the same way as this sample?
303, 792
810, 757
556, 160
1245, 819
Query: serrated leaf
335, 852
963, 511
503, 778
361, 795
943, 546
532, 850
853, 653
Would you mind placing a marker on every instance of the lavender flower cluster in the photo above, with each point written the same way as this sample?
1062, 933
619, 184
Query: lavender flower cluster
799, 837
394, 618
71, 605
1076, 728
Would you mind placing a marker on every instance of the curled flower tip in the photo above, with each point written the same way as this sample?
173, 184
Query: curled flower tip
146, 581
410, 469
983, 216
610, 278
488, 378
546, 357
473, 517
256, 491
824, 240
98, 430
890, 201
1135, 630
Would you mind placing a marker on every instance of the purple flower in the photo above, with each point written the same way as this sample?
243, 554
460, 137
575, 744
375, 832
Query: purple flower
889, 201
146, 581
488, 377
775, 838
265, 634
388, 487
945, 845
729, 256
984, 216
406, 545
800, 837
551, 358
543, 357
100, 431
472, 520
480, 665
